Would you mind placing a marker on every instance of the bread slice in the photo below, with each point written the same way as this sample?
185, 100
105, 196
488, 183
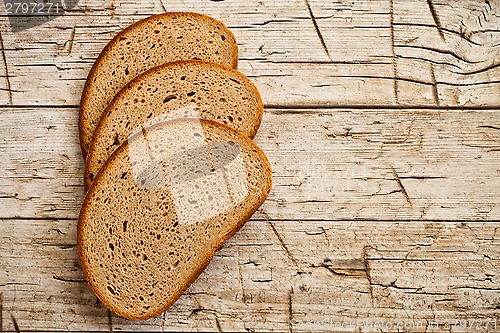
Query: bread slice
143, 45
217, 92
161, 206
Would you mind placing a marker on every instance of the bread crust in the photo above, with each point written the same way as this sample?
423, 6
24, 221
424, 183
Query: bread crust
197, 271
83, 135
103, 121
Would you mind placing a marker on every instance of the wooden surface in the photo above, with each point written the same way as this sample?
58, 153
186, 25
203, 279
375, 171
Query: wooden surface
382, 125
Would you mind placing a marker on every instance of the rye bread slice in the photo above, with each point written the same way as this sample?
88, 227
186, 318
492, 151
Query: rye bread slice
213, 91
161, 206
143, 45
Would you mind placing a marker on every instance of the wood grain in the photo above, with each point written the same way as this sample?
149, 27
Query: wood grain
297, 52
382, 125
316, 275
348, 164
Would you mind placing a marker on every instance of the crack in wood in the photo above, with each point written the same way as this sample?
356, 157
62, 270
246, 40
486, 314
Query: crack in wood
1, 312
450, 31
163, 317
445, 52
394, 56
18, 284
70, 42
431, 61
283, 245
14, 322
490, 127
243, 293
16, 196
436, 19
479, 71
58, 231
488, 3
316, 27
343, 272
477, 288
63, 279
290, 311
6, 69
334, 272
403, 189
435, 92
366, 264
162, 5
383, 78
272, 21
423, 177
110, 321
11, 90
388, 193
217, 323
61, 246
200, 309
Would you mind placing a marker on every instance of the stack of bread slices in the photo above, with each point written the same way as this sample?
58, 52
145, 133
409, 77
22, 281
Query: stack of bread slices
171, 172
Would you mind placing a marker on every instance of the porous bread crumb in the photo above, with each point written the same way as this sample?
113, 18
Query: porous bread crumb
153, 41
213, 91
136, 255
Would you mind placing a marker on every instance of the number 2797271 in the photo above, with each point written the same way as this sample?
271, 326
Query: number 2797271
32, 8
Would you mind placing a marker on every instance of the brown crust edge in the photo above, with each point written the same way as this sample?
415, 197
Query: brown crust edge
216, 247
88, 81
105, 116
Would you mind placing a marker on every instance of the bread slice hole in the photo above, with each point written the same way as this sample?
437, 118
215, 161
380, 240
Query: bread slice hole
116, 141
169, 98
111, 290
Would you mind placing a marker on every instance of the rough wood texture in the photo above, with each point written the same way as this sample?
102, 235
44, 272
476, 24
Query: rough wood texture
383, 128
383, 52
298, 276
347, 164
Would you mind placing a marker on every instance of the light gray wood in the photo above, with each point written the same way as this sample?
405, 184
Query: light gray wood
298, 276
380, 214
384, 52
327, 164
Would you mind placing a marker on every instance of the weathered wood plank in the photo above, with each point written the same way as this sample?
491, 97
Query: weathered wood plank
384, 52
322, 253
328, 164
300, 276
